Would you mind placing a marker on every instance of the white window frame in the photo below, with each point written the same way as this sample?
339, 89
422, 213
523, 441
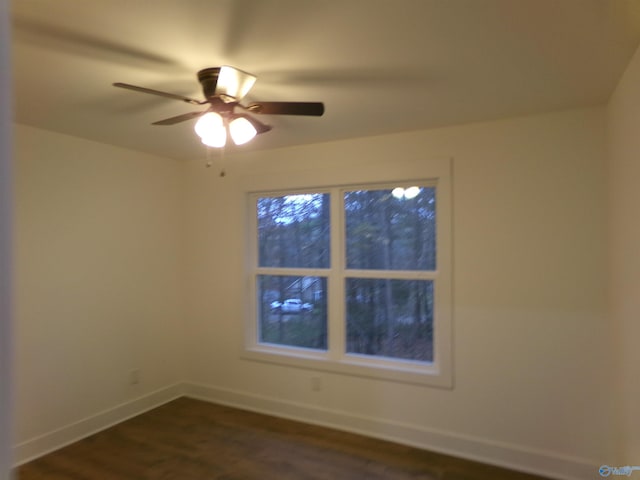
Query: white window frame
438, 373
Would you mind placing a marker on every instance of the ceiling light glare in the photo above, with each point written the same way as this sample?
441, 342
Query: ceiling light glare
398, 192
406, 193
411, 192
241, 131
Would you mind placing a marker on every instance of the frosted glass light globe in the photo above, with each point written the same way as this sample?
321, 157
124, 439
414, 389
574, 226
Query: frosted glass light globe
241, 130
206, 123
210, 129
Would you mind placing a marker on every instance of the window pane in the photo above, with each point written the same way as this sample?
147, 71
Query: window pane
292, 311
390, 318
293, 231
391, 229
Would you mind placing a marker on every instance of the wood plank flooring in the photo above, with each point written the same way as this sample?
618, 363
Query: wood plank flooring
189, 439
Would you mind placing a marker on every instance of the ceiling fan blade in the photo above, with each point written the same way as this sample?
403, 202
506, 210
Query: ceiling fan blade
179, 118
315, 109
158, 92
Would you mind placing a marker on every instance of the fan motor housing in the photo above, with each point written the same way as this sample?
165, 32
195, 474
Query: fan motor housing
208, 78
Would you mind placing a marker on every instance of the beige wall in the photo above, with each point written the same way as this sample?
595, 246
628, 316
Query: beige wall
99, 276
6, 384
532, 379
623, 123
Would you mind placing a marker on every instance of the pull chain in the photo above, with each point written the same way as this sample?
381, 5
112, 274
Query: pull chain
209, 162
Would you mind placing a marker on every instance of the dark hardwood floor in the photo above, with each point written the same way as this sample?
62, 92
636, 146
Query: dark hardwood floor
194, 440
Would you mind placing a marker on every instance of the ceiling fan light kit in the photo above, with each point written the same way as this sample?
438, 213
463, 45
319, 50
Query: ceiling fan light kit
212, 130
223, 88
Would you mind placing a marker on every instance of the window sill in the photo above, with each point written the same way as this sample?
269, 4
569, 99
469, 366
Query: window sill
416, 373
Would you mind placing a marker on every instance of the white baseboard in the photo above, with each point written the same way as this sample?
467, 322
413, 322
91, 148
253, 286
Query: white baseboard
514, 457
50, 441
523, 459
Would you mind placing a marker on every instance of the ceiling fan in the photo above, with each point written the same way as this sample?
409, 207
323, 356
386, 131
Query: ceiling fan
223, 88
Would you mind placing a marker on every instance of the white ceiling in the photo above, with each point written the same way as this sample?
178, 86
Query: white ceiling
380, 66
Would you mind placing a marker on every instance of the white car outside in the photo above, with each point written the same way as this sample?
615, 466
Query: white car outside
295, 305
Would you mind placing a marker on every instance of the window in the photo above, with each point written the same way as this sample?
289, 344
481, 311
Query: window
352, 279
